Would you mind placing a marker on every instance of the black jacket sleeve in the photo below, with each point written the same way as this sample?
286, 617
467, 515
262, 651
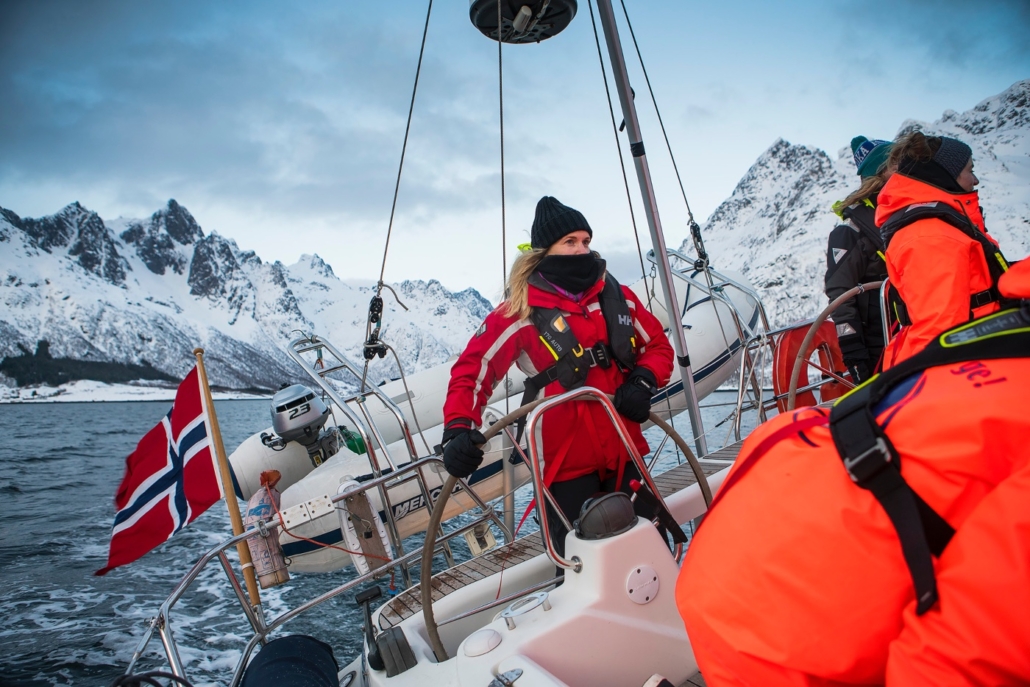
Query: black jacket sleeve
845, 269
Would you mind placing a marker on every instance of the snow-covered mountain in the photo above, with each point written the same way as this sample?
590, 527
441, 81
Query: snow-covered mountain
773, 227
152, 290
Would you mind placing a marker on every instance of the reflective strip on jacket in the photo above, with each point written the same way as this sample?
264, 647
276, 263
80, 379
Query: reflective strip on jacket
933, 265
797, 577
578, 438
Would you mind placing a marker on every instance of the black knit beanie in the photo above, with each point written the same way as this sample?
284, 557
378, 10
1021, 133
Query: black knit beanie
943, 169
953, 156
553, 221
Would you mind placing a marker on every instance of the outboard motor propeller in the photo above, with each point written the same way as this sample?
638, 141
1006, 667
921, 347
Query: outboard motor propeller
299, 415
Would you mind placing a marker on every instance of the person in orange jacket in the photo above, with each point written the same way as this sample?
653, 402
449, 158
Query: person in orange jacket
796, 575
981, 635
942, 264
560, 286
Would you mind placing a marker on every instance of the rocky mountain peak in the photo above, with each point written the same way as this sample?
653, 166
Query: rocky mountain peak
213, 267
157, 240
773, 227
317, 265
83, 231
177, 222
772, 189
94, 246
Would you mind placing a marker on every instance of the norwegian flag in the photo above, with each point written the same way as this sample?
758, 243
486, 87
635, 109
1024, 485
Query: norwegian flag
170, 479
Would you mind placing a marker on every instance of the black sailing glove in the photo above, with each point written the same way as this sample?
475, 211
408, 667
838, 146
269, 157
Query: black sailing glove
633, 398
856, 357
461, 452
860, 371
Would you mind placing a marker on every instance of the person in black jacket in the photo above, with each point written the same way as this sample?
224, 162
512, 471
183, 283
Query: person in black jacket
854, 255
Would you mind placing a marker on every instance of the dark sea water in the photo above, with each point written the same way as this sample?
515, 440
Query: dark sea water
60, 464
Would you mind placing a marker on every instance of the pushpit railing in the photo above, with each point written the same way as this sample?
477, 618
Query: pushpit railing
162, 622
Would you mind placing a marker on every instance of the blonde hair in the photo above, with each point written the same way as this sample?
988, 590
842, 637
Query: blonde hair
516, 303
869, 188
516, 292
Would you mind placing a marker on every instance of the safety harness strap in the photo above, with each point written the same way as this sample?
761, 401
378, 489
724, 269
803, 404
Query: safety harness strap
572, 361
873, 463
996, 263
862, 217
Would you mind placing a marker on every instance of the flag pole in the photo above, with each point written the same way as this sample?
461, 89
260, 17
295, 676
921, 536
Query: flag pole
230, 494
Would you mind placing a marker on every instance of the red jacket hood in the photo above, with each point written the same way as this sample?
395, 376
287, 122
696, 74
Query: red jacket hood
901, 191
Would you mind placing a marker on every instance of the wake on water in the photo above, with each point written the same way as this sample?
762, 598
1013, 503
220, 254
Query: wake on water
59, 467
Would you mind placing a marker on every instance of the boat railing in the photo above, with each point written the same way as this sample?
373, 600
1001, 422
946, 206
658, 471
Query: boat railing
753, 341
319, 371
262, 628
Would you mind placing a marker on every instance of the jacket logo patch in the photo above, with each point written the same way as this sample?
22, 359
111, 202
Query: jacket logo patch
481, 330
626, 320
930, 204
845, 329
559, 324
838, 253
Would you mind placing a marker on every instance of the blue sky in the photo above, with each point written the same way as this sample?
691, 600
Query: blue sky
280, 124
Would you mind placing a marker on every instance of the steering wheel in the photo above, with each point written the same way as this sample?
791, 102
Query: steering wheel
432, 630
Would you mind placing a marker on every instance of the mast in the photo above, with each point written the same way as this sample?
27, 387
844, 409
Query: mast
654, 225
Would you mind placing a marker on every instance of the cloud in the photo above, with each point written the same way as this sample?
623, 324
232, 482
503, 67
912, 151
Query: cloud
297, 108
953, 31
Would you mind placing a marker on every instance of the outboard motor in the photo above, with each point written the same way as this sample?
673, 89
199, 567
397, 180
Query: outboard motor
299, 415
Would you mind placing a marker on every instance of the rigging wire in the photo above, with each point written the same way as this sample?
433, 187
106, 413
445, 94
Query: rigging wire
701, 264
373, 346
650, 90
618, 145
404, 148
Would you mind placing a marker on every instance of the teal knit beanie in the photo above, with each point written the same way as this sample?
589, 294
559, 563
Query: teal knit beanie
870, 156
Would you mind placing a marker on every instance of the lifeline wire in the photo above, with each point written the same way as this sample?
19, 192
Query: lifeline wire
404, 148
618, 145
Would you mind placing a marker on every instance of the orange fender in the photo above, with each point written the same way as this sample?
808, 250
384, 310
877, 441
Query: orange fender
785, 351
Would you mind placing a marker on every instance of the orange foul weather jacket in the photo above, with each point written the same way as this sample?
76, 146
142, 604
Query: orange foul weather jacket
578, 438
933, 265
797, 577
982, 581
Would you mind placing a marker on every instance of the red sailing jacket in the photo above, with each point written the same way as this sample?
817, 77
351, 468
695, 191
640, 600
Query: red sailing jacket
933, 265
578, 438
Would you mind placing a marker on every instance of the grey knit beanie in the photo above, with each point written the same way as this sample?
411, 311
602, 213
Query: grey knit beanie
953, 156
553, 221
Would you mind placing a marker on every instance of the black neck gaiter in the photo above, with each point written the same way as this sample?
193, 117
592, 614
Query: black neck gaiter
574, 273
931, 173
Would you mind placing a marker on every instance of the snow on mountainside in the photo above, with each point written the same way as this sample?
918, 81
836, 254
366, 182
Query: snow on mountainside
152, 290
773, 227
